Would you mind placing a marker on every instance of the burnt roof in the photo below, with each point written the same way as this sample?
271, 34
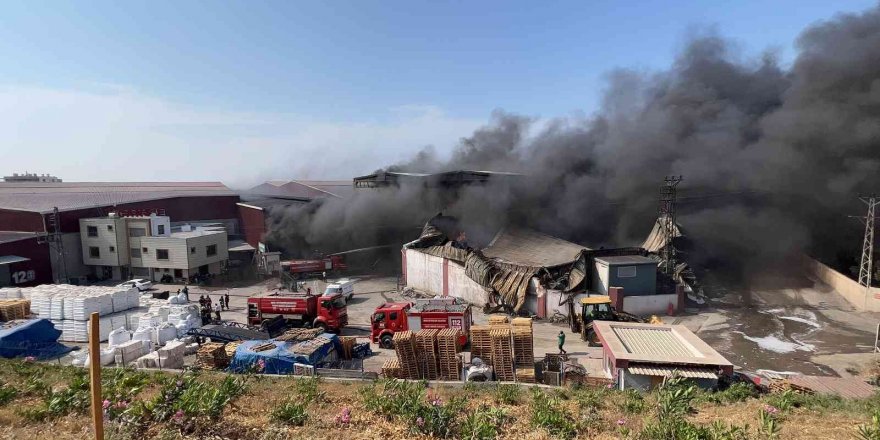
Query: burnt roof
531, 248
447, 178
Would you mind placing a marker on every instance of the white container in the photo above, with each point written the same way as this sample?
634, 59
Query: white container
119, 336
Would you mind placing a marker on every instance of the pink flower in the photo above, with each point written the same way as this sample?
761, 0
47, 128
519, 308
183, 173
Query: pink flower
621, 422
420, 422
261, 365
105, 404
344, 417
770, 409
610, 386
178, 416
122, 404
30, 359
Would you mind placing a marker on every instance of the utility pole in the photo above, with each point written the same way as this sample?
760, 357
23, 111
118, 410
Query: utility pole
667, 222
867, 263
57, 244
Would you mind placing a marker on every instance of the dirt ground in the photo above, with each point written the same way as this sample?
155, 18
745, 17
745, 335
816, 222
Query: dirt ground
783, 322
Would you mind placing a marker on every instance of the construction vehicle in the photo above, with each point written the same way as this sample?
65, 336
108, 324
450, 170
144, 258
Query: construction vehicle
298, 269
326, 311
438, 313
598, 308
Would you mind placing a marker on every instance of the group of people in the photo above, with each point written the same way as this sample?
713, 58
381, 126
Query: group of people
207, 305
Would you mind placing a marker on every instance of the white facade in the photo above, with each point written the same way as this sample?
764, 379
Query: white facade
426, 273
145, 247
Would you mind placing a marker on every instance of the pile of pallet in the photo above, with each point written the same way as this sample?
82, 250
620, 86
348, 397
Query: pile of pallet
426, 343
448, 348
523, 348
405, 346
299, 334
498, 320
392, 370
481, 343
525, 374
231, 347
502, 354
347, 343
11, 309
782, 385
212, 356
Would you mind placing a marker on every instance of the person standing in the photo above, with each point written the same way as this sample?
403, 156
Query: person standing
222, 303
186, 292
227, 299
561, 339
217, 309
209, 302
202, 301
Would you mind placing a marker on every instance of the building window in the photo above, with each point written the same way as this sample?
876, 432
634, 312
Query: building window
145, 250
137, 232
161, 254
626, 272
135, 253
109, 227
93, 231
192, 250
161, 229
112, 249
211, 250
95, 252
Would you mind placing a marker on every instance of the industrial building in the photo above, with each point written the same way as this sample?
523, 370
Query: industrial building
529, 272
446, 179
120, 248
304, 189
51, 211
640, 356
31, 177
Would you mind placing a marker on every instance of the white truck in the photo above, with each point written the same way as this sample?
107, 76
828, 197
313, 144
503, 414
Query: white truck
343, 287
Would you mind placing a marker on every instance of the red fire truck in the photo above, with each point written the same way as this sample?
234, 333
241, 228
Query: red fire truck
431, 313
300, 310
306, 268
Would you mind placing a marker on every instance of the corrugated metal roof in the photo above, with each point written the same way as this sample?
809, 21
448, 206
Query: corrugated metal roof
652, 341
687, 372
626, 259
42, 197
848, 388
531, 248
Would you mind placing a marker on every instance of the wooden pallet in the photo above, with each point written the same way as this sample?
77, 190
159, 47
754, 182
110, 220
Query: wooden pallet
525, 374
405, 346
523, 346
426, 344
481, 343
391, 369
300, 334
212, 356
521, 322
448, 347
231, 347
264, 347
498, 320
11, 309
502, 354
347, 343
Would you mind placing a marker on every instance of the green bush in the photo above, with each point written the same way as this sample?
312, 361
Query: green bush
292, 412
548, 414
737, 392
307, 390
7, 393
870, 431
591, 397
482, 424
633, 402
191, 397
507, 394
409, 401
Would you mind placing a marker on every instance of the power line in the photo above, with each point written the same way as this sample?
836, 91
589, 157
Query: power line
667, 222
866, 264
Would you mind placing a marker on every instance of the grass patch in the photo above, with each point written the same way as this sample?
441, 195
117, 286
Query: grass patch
507, 394
548, 414
291, 412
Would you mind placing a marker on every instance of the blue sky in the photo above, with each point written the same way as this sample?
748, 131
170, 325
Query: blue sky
323, 89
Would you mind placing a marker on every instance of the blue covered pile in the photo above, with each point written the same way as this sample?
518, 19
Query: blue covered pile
280, 359
30, 337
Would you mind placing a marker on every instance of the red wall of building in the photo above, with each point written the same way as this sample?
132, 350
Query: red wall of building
40, 261
179, 209
11, 220
252, 222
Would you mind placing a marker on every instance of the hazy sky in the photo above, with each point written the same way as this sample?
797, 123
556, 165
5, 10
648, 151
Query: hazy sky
242, 92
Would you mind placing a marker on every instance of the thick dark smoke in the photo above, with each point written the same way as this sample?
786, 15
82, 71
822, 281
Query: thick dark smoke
773, 158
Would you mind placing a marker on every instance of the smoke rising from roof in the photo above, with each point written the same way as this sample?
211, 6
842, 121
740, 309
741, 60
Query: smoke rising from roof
783, 152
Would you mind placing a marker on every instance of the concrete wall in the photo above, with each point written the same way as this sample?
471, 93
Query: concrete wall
183, 253
425, 273
461, 286
644, 305
643, 283
107, 229
851, 290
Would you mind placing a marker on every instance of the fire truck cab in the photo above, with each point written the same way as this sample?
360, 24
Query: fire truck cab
440, 313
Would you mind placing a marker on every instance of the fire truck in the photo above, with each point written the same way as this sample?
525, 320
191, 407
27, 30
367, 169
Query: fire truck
431, 313
315, 267
300, 310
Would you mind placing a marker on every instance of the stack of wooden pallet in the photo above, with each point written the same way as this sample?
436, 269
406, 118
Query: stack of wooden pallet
11, 309
525, 374
426, 342
498, 320
405, 346
502, 354
299, 334
481, 343
448, 348
231, 347
392, 370
523, 348
212, 356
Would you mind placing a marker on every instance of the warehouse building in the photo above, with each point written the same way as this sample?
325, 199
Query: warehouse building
641, 356
30, 207
24, 260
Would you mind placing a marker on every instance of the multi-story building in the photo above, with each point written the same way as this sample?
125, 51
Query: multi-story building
31, 177
145, 247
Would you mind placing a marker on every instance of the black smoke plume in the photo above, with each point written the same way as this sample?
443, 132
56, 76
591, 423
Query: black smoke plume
773, 158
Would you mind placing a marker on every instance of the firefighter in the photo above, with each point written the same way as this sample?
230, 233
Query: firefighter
222, 303
217, 309
561, 339
227, 299
202, 301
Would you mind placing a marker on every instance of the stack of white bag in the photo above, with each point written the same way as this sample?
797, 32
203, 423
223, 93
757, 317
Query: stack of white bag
184, 318
169, 356
10, 293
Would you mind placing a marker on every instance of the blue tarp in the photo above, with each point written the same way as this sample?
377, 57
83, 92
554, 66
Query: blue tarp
280, 359
30, 337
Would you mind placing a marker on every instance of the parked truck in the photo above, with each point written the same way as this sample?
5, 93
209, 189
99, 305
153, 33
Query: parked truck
326, 311
297, 269
440, 313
